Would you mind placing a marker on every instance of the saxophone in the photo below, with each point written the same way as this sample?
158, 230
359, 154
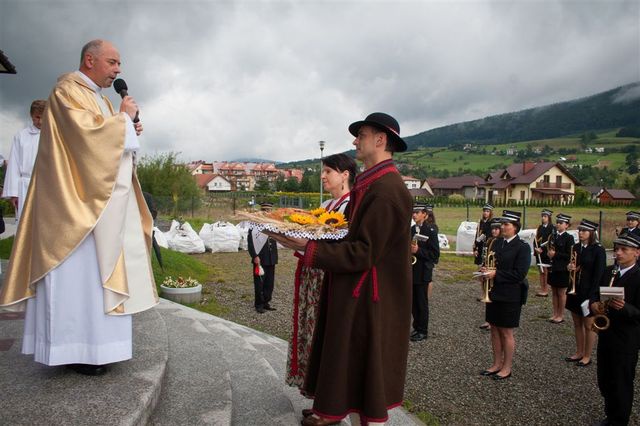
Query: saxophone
601, 322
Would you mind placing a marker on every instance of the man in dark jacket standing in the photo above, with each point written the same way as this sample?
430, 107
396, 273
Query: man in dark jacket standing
619, 344
359, 358
264, 256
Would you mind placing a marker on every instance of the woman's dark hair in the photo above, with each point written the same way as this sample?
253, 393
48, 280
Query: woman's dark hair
431, 218
342, 163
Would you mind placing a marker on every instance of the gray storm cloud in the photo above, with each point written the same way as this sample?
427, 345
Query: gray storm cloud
269, 79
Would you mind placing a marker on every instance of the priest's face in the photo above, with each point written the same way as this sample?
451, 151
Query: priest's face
105, 65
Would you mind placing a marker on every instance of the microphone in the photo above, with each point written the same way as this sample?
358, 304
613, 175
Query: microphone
121, 89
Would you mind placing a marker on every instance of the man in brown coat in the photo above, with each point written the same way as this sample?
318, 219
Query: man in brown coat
359, 356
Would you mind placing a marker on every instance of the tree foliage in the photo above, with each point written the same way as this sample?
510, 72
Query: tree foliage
164, 178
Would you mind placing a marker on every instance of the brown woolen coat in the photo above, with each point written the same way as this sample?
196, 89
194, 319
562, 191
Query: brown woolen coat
359, 356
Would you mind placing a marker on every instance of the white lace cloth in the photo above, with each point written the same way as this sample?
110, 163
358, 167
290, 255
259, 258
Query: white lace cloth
310, 234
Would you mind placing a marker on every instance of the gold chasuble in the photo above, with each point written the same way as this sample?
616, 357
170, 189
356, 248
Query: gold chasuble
83, 181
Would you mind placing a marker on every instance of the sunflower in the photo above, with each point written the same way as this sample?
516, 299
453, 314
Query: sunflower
333, 219
302, 219
317, 212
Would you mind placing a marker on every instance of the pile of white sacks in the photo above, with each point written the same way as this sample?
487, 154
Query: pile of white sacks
218, 237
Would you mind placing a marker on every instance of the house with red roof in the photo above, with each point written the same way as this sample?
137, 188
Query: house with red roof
529, 181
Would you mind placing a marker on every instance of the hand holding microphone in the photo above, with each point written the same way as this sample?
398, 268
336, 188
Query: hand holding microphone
128, 105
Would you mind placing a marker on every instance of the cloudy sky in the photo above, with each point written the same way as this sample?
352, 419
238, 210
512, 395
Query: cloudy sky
221, 80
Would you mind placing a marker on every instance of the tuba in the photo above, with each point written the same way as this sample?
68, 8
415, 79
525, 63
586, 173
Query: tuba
601, 321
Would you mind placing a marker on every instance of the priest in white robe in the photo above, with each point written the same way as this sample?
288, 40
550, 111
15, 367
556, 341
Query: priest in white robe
81, 258
23, 154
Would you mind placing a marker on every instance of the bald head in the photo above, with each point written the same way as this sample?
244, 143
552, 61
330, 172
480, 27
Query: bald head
100, 61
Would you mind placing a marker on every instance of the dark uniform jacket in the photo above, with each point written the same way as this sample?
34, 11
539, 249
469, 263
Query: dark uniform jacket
563, 244
484, 228
268, 254
591, 260
428, 253
635, 231
542, 236
623, 333
512, 264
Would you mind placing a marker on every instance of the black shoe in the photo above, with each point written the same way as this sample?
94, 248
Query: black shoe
260, 310
418, 337
499, 377
488, 373
270, 308
89, 369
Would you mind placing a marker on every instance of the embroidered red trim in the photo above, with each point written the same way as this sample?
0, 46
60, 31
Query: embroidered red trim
374, 279
363, 418
310, 253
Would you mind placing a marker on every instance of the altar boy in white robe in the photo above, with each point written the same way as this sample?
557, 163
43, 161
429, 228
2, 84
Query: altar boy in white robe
81, 257
23, 154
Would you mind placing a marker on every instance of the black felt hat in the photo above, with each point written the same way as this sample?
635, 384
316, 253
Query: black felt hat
384, 122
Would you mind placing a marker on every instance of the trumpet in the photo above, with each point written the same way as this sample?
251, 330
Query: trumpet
489, 258
601, 321
573, 273
414, 242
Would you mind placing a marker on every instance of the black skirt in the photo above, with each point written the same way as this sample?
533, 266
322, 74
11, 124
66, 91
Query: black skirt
503, 314
558, 279
573, 304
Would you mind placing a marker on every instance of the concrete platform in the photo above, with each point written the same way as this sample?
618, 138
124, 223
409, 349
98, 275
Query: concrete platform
188, 368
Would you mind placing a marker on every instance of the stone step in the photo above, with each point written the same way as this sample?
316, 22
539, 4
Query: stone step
197, 386
126, 395
257, 389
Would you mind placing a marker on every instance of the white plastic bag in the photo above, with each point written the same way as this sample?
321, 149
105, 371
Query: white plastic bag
186, 240
161, 238
443, 241
220, 237
466, 237
243, 230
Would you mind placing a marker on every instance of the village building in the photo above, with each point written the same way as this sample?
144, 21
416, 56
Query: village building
529, 181
240, 176
469, 186
615, 196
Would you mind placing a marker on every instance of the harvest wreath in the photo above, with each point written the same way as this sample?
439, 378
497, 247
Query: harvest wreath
317, 224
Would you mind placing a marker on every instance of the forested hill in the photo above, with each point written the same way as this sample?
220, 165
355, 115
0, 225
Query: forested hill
615, 108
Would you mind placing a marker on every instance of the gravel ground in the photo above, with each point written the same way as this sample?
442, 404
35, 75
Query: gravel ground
442, 376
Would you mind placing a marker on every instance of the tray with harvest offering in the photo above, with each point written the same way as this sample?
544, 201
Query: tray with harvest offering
317, 224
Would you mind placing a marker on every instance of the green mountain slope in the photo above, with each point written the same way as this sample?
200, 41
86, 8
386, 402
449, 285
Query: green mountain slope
615, 108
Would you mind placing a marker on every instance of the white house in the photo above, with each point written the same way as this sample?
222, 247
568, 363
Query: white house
218, 184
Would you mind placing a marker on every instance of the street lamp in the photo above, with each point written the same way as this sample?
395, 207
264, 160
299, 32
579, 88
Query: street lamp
321, 151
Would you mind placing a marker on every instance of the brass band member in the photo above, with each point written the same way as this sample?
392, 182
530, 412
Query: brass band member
427, 254
633, 219
544, 231
618, 345
585, 273
482, 232
512, 261
559, 253
495, 233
